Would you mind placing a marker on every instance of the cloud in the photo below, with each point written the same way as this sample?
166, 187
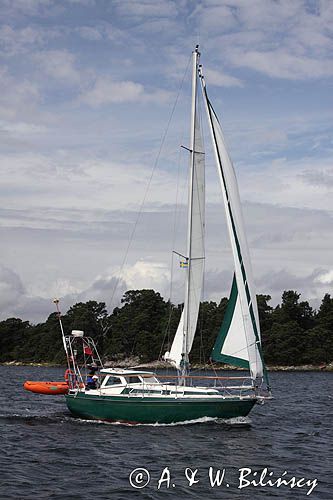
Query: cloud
326, 278
221, 79
281, 63
31, 7
80, 129
36, 305
58, 64
11, 288
65, 180
16, 41
15, 301
18, 98
83, 3
25, 128
311, 287
320, 178
146, 9
146, 274
89, 33
217, 283
106, 90
111, 285
215, 17
266, 14
21, 9
303, 183
289, 40
106, 288
278, 237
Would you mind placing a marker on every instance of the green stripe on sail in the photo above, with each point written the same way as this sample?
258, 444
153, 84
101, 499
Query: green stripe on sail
217, 349
227, 359
239, 254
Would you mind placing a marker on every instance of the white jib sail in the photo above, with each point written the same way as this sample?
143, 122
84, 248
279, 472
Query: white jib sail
243, 337
183, 340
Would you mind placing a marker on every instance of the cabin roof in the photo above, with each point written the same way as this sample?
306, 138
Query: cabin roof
124, 373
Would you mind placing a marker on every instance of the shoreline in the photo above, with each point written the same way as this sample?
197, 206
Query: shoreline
160, 365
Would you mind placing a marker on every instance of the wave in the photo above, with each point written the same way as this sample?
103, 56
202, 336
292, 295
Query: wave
62, 418
236, 421
18, 417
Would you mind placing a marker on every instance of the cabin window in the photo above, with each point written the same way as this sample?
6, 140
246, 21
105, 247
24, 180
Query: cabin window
112, 381
133, 380
150, 380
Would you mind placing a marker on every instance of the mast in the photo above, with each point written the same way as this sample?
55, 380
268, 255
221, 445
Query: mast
185, 350
195, 250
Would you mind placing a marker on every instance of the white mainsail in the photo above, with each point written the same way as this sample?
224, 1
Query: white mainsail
183, 340
239, 339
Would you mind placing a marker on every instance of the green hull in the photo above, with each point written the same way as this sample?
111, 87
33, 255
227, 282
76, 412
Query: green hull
155, 410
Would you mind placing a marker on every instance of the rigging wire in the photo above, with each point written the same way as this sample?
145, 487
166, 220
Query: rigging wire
180, 196
106, 329
167, 328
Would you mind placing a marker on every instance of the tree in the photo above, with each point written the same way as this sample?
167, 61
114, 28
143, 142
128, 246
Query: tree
265, 314
284, 344
318, 346
325, 313
293, 310
209, 324
145, 326
138, 327
12, 338
90, 317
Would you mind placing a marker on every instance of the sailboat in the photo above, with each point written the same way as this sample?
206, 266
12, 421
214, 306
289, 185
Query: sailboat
135, 396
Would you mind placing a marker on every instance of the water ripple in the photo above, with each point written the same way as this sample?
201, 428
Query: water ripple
48, 454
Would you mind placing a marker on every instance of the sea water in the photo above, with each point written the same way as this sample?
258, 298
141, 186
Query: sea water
282, 450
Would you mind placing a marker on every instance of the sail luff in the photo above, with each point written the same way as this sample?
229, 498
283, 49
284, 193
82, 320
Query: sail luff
245, 304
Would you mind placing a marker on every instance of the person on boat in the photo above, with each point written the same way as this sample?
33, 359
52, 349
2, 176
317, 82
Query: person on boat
92, 377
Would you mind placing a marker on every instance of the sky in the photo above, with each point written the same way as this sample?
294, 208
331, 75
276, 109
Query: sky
94, 106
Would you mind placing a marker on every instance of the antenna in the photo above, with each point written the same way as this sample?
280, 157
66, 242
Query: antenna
56, 302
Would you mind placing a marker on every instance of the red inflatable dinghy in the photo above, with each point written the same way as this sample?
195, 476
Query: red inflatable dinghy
46, 387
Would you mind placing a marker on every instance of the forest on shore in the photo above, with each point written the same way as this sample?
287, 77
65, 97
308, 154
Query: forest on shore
293, 333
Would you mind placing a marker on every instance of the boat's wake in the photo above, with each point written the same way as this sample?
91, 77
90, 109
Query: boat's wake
237, 421
62, 418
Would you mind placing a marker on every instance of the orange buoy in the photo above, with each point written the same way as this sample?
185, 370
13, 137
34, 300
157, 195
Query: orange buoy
46, 387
